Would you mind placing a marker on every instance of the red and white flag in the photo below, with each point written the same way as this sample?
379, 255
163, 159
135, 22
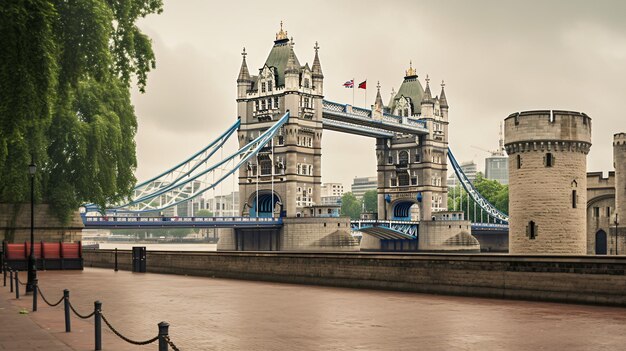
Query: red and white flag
349, 84
363, 84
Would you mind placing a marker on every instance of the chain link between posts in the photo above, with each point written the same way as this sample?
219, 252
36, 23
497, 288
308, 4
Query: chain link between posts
169, 342
46, 301
80, 315
130, 341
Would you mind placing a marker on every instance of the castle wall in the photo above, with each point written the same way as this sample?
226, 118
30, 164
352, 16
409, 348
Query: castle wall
600, 207
547, 181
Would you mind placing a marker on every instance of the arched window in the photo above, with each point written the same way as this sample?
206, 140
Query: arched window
403, 158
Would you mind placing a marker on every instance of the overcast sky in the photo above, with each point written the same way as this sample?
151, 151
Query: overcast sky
496, 57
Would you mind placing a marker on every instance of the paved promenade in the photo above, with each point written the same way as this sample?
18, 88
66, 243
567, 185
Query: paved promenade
222, 314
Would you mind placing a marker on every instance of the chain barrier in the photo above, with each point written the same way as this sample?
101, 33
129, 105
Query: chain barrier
169, 342
46, 301
19, 281
80, 315
130, 341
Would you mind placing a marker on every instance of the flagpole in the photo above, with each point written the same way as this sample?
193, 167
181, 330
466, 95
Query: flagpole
352, 91
365, 94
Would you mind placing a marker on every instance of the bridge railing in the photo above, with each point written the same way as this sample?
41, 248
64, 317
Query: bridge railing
179, 219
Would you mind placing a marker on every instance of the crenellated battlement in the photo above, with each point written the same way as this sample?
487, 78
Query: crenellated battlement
543, 126
619, 139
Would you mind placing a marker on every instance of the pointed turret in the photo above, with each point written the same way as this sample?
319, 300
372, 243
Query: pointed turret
393, 96
443, 102
292, 66
244, 74
292, 70
427, 98
378, 103
244, 83
317, 67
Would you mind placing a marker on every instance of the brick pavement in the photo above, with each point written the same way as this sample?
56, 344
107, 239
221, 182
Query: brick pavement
222, 314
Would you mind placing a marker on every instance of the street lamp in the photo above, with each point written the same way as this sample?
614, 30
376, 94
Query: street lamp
32, 269
616, 222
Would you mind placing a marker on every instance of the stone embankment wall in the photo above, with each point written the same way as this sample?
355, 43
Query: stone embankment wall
579, 279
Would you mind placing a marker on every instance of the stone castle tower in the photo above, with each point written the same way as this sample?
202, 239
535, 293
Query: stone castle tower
412, 169
619, 163
292, 170
547, 181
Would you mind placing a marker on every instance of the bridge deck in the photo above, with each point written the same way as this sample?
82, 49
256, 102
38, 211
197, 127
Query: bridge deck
123, 222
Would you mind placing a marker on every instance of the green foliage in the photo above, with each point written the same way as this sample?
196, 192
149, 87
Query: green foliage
350, 206
370, 201
204, 213
496, 193
65, 73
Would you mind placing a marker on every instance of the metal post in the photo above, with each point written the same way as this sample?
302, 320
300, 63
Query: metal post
163, 332
4, 274
11, 279
32, 269
616, 223
17, 286
35, 282
97, 305
116, 259
66, 307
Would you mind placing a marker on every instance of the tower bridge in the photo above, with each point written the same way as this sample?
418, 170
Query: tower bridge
282, 115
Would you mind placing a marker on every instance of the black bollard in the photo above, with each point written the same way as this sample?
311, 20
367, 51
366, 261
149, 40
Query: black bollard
97, 305
35, 295
163, 332
17, 286
116, 259
4, 274
66, 307
11, 279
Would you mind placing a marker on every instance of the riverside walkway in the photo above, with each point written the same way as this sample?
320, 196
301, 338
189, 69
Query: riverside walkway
223, 314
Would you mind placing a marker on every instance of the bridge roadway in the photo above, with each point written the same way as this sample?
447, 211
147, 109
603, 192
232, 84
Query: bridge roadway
136, 222
227, 314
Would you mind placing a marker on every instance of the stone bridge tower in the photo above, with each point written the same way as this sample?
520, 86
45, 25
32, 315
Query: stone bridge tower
293, 170
547, 181
412, 169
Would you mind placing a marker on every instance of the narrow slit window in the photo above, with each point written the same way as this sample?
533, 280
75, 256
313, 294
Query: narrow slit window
574, 198
549, 159
519, 161
532, 230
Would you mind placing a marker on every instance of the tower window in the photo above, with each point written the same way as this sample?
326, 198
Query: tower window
549, 160
269, 86
403, 158
519, 161
276, 102
306, 83
531, 230
596, 212
263, 87
574, 196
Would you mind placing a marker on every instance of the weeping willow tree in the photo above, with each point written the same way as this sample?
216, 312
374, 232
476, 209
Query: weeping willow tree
65, 77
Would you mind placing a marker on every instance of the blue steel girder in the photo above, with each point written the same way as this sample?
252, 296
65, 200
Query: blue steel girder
360, 121
409, 228
473, 193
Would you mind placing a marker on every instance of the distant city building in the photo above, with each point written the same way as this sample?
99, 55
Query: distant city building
469, 168
224, 205
497, 168
360, 185
331, 193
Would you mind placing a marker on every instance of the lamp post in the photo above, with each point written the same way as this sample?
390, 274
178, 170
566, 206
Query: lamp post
616, 222
32, 269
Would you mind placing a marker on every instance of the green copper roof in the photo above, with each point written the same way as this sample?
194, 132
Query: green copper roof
278, 58
411, 88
